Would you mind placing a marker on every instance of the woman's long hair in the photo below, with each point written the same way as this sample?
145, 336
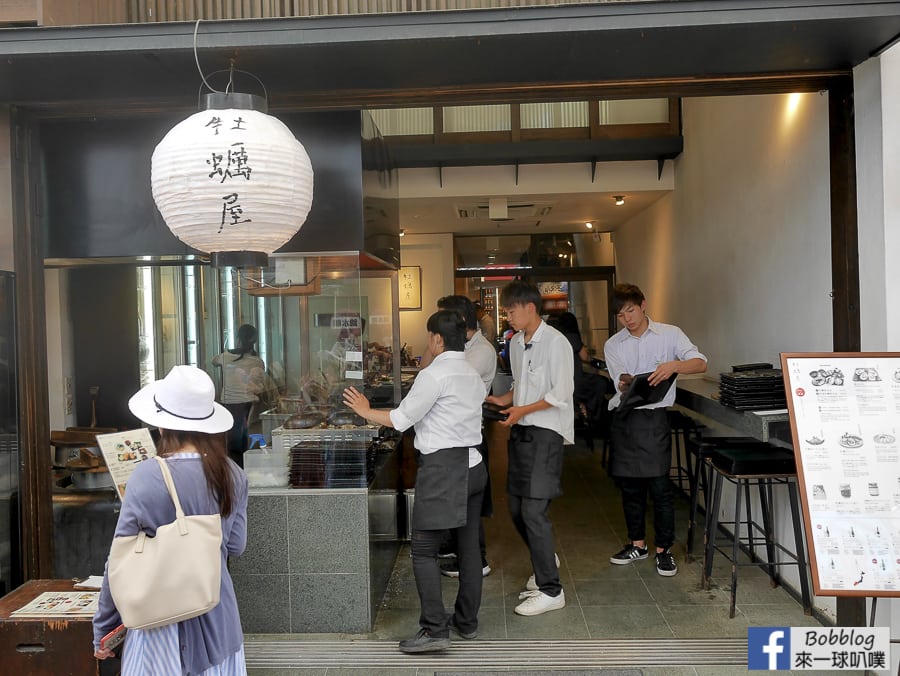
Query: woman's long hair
216, 468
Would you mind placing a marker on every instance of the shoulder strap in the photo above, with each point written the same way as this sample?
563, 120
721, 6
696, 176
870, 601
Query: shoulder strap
167, 477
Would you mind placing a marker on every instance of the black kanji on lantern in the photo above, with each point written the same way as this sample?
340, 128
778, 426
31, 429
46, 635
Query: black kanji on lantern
231, 164
232, 211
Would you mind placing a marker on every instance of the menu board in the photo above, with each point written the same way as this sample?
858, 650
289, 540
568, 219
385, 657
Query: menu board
845, 420
123, 451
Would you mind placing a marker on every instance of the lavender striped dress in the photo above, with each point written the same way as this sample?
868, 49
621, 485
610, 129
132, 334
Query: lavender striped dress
154, 652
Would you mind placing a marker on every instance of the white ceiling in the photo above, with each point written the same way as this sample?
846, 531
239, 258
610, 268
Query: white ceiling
547, 198
528, 214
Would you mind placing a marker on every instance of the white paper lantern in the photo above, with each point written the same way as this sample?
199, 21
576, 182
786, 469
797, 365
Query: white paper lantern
232, 180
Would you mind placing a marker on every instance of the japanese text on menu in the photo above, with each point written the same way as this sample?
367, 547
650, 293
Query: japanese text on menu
846, 414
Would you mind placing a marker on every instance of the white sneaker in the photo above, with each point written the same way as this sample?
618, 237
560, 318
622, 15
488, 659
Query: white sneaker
532, 584
537, 602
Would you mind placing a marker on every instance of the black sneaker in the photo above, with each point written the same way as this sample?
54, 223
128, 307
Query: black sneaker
468, 635
452, 569
423, 642
665, 564
628, 554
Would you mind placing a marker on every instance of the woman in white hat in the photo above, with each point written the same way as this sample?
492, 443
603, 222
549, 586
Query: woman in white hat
192, 441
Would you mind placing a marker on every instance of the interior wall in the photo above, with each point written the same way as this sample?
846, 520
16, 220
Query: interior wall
877, 110
434, 255
877, 100
739, 254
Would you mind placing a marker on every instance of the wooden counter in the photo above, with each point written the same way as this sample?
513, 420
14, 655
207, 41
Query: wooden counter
50, 646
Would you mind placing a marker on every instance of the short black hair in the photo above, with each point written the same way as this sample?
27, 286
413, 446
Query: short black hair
623, 294
463, 306
450, 326
521, 293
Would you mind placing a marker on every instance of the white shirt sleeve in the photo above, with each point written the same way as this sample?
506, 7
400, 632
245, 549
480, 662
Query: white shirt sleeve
424, 392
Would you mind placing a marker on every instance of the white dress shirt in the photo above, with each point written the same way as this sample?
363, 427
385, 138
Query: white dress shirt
545, 370
483, 358
444, 404
660, 343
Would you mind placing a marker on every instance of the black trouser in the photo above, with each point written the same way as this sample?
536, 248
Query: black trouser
531, 518
425, 545
634, 504
448, 545
239, 434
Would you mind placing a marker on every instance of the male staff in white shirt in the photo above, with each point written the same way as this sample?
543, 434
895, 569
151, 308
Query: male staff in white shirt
444, 405
641, 438
541, 414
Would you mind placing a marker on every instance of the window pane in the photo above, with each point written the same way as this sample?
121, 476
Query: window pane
477, 118
404, 121
554, 115
634, 111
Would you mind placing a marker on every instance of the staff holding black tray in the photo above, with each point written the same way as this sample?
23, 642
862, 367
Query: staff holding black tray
643, 359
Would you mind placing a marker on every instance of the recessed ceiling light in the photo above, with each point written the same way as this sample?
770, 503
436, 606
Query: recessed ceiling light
620, 200
589, 225
402, 232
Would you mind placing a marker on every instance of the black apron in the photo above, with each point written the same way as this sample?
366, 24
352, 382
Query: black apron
641, 443
442, 489
535, 462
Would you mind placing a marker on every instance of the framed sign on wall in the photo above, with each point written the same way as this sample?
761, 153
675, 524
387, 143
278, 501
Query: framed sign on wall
410, 283
845, 422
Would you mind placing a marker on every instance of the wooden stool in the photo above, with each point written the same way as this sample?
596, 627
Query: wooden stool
763, 466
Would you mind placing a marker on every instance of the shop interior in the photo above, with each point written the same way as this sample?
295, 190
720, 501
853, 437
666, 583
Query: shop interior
692, 231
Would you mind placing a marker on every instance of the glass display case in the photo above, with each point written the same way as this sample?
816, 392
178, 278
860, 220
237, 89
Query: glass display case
324, 322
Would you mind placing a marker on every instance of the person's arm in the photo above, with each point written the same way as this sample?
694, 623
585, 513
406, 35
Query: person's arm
615, 365
418, 401
665, 370
357, 401
505, 399
688, 360
107, 616
237, 536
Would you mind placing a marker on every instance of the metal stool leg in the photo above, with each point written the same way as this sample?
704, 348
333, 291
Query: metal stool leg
735, 544
765, 504
750, 536
712, 525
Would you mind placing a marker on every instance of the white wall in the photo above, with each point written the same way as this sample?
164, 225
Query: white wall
877, 111
434, 254
739, 254
877, 100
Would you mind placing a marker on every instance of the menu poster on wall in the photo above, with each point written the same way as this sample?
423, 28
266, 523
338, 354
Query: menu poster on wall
845, 420
123, 451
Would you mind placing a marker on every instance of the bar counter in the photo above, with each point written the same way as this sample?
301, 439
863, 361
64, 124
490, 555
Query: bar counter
700, 396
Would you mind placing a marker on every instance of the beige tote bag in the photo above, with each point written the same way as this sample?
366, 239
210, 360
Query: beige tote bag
174, 576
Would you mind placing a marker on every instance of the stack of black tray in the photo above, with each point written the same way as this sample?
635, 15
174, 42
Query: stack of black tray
326, 464
759, 388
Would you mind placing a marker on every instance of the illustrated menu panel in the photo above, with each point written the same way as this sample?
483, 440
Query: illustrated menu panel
845, 418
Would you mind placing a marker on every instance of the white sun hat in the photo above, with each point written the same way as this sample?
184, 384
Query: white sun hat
184, 400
